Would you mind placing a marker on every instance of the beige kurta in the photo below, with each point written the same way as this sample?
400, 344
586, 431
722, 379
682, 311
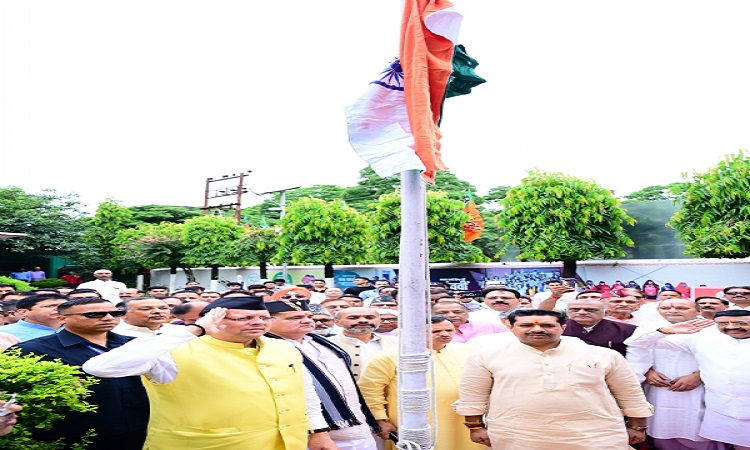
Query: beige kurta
379, 386
572, 397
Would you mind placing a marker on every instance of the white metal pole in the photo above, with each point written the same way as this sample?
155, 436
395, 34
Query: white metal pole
413, 324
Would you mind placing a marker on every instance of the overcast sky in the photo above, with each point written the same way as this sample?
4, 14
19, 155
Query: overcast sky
141, 101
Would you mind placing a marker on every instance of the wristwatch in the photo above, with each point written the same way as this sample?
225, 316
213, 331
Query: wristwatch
636, 428
319, 430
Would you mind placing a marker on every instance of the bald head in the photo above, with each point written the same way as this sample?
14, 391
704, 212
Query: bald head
357, 321
677, 310
586, 312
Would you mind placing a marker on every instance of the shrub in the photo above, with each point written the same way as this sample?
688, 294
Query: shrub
49, 283
47, 390
21, 286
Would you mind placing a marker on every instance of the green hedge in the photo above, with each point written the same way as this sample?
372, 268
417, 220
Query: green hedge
21, 286
47, 391
49, 283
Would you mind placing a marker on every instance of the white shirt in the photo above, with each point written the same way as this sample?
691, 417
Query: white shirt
126, 329
724, 363
560, 305
676, 414
109, 290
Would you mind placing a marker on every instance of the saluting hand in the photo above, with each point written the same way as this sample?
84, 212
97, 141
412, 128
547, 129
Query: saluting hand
211, 321
687, 327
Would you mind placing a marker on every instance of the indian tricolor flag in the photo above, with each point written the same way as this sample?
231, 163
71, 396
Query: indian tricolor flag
394, 125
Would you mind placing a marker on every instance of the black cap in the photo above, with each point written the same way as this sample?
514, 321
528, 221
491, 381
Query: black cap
251, 303
288, 305
732, 313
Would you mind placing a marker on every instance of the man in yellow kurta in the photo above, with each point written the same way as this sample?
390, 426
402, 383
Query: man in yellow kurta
379, 387
232, 389
545, 391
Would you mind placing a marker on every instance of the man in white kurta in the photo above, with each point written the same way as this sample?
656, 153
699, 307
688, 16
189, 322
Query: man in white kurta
105, 286
723, 355
544, 391
672, 383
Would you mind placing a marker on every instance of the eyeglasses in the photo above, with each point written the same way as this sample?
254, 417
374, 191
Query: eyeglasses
295, 296
323, 320
249, 318
389, 320
99, 314
738, 293
588, 310
726, 324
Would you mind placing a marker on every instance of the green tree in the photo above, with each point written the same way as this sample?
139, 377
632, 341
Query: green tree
453, 187
150, 246
257, 247
53, 223
496, 194
314, 231
655, 193
556, 217
206, 239
102, 233
157, 214
445, 234
714, 218
371, 186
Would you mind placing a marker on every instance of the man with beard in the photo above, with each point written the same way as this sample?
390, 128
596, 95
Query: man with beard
723, 355
569, 395
122, 406
358, 336
500, 302
144, 317
323, 320
347, 415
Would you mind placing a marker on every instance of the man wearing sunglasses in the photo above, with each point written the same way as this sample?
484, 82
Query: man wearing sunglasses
122, 405
738, 296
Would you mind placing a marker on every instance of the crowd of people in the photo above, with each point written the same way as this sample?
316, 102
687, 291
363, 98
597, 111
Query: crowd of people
280, 366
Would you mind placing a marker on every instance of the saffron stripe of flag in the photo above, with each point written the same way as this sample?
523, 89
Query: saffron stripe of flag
429, 31
381, 121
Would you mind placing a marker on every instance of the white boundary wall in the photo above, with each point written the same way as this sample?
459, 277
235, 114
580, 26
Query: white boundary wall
695, 272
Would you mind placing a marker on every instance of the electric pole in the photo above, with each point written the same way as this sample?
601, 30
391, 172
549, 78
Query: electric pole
225, 188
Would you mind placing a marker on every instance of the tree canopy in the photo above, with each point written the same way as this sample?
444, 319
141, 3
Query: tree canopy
671, 191
556, 217
314, 231
163, 213
714, 217
445, 234
53, 223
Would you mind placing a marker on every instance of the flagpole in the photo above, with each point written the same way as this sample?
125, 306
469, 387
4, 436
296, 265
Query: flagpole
414, 357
